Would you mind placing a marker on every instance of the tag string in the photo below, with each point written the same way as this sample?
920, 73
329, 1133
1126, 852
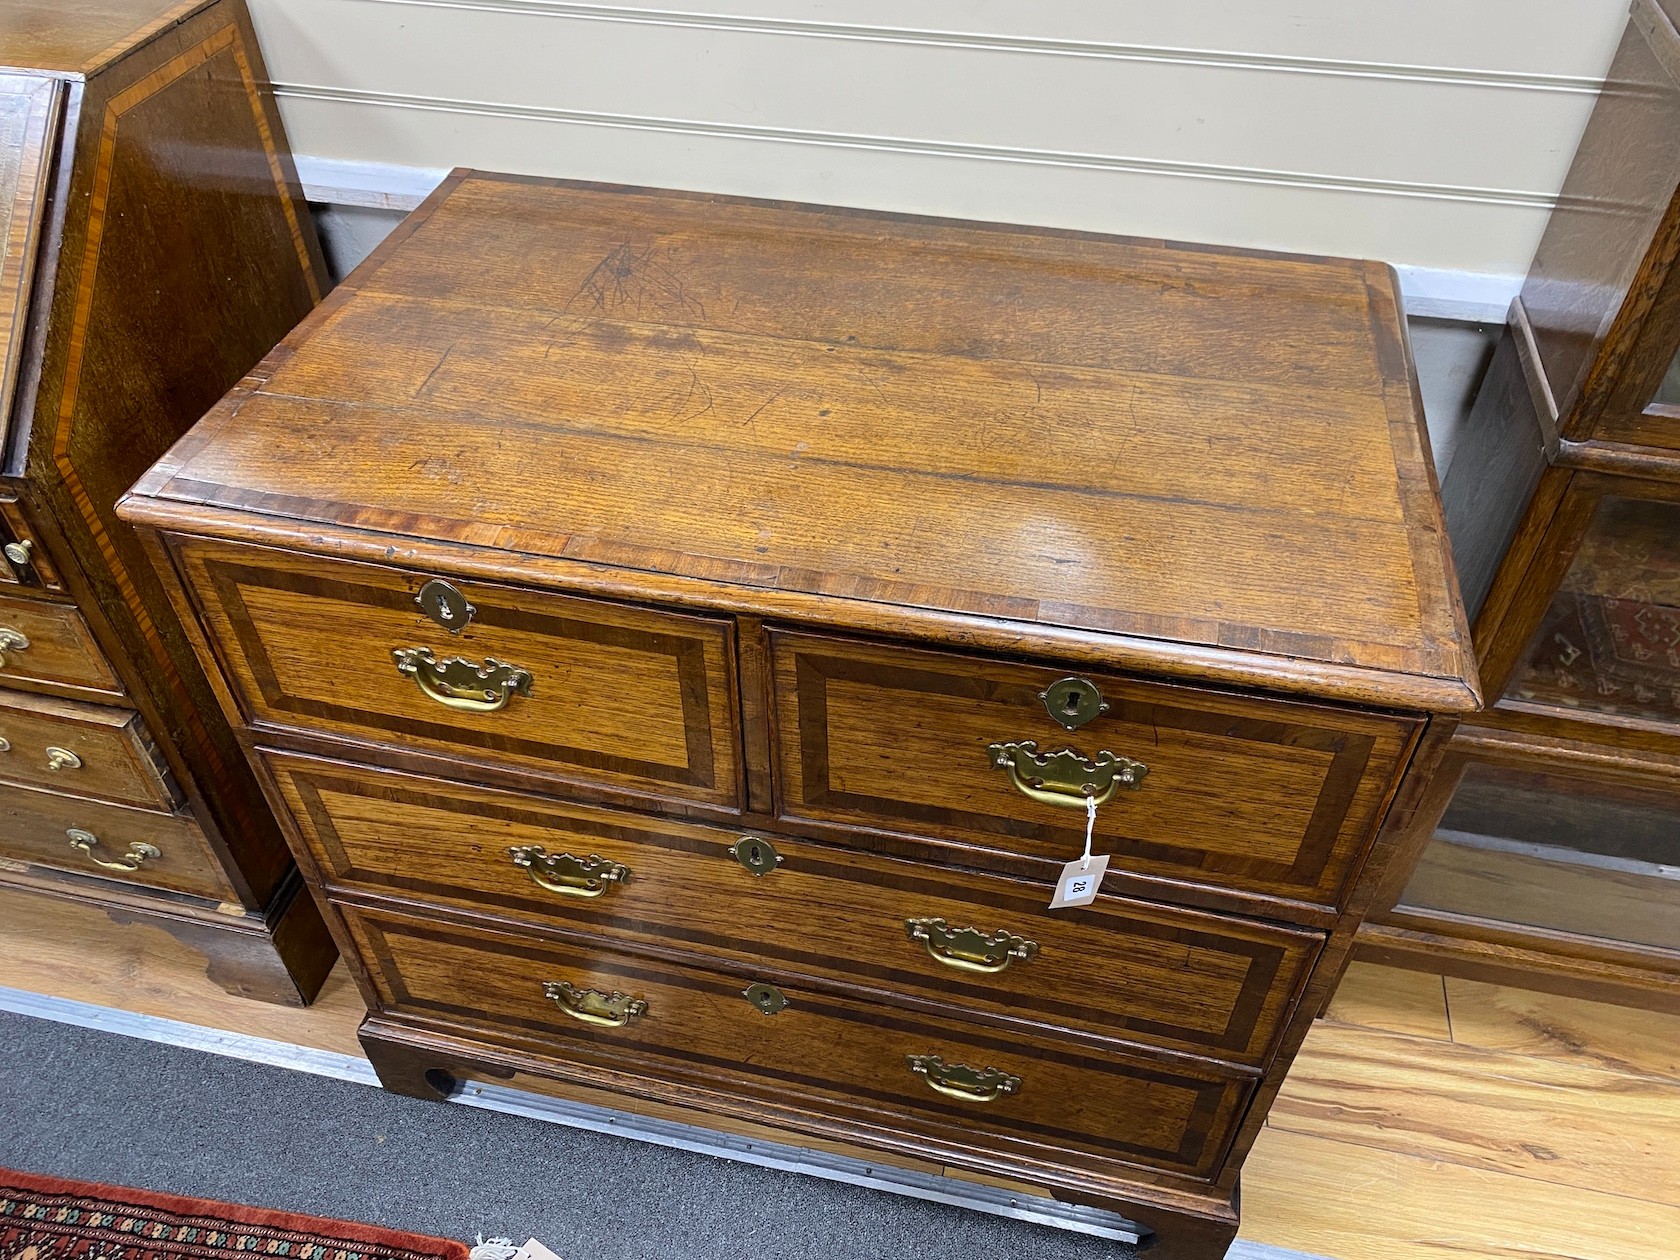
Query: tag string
1090, 826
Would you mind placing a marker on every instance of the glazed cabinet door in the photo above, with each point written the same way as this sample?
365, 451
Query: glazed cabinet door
1531, 842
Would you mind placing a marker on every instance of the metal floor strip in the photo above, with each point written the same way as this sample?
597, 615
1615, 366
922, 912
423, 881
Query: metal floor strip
685, 1137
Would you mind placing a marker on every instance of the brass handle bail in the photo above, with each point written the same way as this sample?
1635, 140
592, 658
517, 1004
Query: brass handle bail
1065, 778
139, 852
460, 683
968, 949
958, 1080
591, 1006
567, 875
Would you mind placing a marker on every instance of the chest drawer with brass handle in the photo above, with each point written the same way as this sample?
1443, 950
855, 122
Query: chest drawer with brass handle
1264, 797
582, 689
49, 647
1123, 969
81, 750
687, 1023
94, 838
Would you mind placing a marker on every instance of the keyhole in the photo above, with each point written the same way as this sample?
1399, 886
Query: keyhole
1070, 706
757, 855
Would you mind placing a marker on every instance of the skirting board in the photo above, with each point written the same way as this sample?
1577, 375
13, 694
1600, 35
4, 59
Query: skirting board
1430, 292
602, 1120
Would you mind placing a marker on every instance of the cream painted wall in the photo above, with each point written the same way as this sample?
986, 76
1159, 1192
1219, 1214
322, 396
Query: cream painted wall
1433, 133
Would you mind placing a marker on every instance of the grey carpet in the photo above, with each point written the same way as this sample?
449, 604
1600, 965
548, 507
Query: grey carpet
102, 1107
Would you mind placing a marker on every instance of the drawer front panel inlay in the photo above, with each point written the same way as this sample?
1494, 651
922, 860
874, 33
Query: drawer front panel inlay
36, 827
81, 750
1263, 797
1121, 969
838, 1050
50, 647
621, 697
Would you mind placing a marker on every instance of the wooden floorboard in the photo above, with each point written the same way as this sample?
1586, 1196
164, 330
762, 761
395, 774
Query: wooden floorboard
1541, 1119
1359, 1203
1423, 1120
1549, 1026
1412, 1002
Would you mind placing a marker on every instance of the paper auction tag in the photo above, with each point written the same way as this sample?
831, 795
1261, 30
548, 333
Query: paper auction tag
534, 1250
1084, 875
1079, 882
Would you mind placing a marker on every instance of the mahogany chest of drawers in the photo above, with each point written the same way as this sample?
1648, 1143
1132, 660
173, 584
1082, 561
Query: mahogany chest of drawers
154, 245
681, 635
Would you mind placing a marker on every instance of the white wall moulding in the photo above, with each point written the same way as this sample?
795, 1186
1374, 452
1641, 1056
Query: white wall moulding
930, 37
1433, 134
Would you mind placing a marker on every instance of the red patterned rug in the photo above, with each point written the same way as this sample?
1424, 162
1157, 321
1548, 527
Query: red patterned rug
45, 1218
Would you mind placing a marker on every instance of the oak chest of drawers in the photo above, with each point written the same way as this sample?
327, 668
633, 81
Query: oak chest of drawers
154, 244
682, 634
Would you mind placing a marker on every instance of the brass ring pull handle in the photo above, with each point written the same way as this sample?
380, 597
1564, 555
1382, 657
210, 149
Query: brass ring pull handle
969, 949
1065, 778
460, 683
138, 853
62, 759
567, 875
591, 1006
957, 1080
11, 641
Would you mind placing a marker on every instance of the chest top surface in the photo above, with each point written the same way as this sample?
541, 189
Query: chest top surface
1091, 436
80, 36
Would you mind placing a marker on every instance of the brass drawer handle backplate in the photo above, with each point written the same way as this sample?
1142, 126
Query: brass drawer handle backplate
138, 853
969, 949
11, 641
591, 1006
62, 759
957, 1080
463, 684
567, 875
1065, 778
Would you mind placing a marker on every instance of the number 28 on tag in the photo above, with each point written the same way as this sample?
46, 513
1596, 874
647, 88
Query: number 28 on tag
1081, 877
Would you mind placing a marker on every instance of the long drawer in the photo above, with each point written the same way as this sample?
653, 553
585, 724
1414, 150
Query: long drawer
842, 1053
92, 838
586, 690
49, 647
1120, 969
1269, 797
81, 750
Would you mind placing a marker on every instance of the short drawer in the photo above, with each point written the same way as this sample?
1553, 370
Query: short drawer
605, 694
91, 838
1121, 969
1261, 796
49, 646
836, 1051
81, 750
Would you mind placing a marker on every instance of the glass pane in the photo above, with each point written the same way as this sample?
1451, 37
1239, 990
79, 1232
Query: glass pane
1669, 391
1537, 849
1611, 639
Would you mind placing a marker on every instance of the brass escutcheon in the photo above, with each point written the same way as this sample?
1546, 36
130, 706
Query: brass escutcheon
445, 605
460, 683
958, 1080
138, 853
62, 759
969, 949
591, 1006
567, 875
1065, 778
11, 641
755, 853
1073, 702
766, 997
